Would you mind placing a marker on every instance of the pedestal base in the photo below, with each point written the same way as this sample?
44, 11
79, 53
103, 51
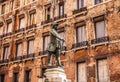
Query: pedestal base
56, 74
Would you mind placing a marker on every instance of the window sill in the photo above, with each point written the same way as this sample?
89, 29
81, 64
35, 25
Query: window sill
20, 30
28, 57
31, 27
76, 11
7, 35
42, 53
4, 62
100, 41
46, 22
60, 18
99, 44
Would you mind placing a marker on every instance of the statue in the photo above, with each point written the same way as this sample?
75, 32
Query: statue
54, 47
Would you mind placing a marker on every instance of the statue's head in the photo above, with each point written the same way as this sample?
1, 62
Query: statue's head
54, 26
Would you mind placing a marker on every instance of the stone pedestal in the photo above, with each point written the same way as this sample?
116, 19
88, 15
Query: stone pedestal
56, 74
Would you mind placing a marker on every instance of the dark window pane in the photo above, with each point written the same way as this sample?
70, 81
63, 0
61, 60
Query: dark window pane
28, 76
15, 77
2, 78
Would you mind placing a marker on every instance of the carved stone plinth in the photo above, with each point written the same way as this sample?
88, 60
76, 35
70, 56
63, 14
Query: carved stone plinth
55, 74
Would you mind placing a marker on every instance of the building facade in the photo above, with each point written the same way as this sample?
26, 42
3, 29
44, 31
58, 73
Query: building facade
91, 51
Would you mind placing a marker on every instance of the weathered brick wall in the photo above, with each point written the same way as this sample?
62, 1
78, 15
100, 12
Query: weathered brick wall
111, 10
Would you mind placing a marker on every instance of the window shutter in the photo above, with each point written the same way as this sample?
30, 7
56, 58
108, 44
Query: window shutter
82, 72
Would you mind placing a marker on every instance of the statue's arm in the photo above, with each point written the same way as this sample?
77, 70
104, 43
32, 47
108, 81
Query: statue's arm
56, 34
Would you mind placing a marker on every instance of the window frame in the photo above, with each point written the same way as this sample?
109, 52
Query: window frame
16, 53
28, 43
61, 5
82, 4
26, 77
20, 17
97, 27
15, 76
7, 28
83, 61
99, 19
100, 59
48, 36
3, 11
1, 80
4, 51
46, 6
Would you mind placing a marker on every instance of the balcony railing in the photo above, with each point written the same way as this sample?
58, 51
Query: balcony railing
20, 30
80, 44
80, 10
59, 17
42, 52
100, 40
31, 26
4, 61
46, 21
7, 34
18, 58
28, 56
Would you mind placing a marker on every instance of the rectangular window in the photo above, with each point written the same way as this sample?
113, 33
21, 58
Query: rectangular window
9, 27
102, 69
82, 77
47, 13
5, 52
32, 18
46, 40
15, 77
61, 9
98, 1
2, 78
30, 48
28, 76
80, 4
19, 49
21, 23
3, 8
81, 34
99, 29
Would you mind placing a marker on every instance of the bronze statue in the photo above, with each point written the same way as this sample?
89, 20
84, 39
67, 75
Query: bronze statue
54, 47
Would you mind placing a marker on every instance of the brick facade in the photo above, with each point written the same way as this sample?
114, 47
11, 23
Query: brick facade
88, 51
